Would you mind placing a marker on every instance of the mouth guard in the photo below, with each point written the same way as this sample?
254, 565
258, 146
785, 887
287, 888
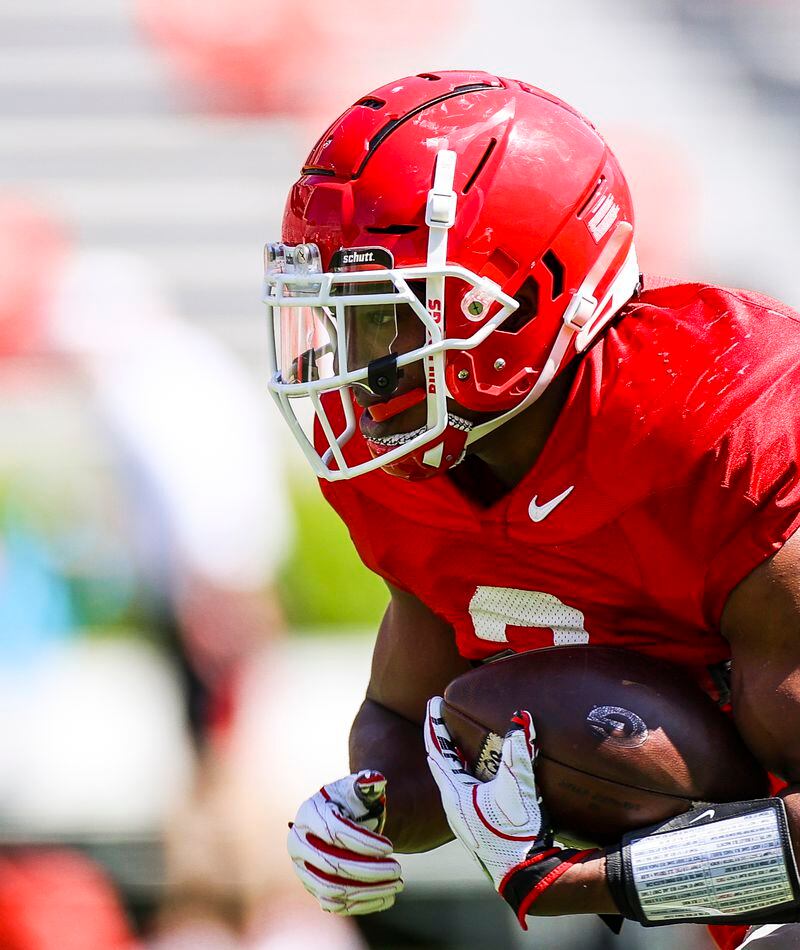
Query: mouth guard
381, 411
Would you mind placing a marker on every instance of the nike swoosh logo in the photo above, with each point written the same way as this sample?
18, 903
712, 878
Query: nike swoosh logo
708, 813
540, 512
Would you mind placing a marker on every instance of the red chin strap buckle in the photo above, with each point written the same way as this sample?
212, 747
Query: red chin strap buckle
381, 411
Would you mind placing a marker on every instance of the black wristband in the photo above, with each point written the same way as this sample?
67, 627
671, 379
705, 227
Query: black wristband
663, 874
616, 882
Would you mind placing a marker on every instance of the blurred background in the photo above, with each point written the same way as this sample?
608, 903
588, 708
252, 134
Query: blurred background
177, 605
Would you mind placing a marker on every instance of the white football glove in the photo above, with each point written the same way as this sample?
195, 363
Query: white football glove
500, 822
338, 850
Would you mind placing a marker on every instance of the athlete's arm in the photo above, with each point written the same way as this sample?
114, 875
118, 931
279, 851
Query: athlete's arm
762, 623
415, 657
341, 842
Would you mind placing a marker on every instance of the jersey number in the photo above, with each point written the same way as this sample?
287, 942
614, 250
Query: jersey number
493, 609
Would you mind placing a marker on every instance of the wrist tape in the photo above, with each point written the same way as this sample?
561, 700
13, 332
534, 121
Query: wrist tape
726, 864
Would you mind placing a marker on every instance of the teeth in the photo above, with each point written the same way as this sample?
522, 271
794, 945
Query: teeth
400, 438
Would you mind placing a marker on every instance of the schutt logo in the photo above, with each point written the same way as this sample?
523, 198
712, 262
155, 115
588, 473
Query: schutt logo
358, 257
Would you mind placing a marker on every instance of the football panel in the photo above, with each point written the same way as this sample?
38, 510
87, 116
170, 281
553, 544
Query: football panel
580, 805
637, 721
598, 811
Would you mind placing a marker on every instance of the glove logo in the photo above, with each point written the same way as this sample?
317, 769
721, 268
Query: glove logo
618, 725
488, 761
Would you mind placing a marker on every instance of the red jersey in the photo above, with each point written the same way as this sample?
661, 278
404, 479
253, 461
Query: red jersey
669, 475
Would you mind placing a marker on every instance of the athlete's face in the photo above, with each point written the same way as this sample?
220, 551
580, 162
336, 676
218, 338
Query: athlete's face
410, 334
375, 332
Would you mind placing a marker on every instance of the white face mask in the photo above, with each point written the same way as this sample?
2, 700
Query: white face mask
362, 325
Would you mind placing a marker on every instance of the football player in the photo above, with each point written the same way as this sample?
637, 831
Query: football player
534, 445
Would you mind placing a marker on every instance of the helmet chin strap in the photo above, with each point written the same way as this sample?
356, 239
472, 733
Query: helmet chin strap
584, 316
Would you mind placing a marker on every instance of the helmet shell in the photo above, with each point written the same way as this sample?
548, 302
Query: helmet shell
538, 194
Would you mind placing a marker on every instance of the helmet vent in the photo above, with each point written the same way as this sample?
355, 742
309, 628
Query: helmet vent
392, 124
528, 297
556, 268
371, 103
394, 229
590, 199
470, 86
429, 76
479, 167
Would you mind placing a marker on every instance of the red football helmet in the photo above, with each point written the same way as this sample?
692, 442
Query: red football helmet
452, 235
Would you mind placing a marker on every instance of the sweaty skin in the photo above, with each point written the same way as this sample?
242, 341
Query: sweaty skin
761, 621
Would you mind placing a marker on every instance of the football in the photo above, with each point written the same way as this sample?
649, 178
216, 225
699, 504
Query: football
624, 740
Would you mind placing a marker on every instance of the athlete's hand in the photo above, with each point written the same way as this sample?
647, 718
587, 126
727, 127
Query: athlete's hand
500, 822
338, 850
